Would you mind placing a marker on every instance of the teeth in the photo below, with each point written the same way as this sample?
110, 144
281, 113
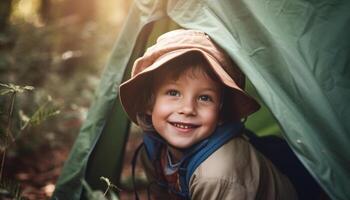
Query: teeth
182, 126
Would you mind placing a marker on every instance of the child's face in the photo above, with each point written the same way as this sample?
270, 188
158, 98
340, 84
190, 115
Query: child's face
186, 110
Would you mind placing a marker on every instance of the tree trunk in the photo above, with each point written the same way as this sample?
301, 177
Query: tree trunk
45, 10
5, 11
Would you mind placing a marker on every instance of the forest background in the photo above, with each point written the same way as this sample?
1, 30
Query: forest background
52, 54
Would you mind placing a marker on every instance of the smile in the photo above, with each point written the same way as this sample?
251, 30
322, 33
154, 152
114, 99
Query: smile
184, 125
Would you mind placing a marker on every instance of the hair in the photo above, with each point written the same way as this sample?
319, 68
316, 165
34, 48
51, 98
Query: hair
176, 67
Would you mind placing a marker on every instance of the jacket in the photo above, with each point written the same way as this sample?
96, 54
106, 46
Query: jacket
235, 171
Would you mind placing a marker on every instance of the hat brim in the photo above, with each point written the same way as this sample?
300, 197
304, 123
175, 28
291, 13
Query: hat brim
130, 89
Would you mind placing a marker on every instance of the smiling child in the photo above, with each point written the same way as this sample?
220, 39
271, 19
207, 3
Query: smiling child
187, 95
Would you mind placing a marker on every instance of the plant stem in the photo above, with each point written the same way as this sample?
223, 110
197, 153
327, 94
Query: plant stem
105, 193
2, 163
8, 133
9, 124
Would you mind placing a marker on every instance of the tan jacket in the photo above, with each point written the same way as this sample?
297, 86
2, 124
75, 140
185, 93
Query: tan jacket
236, 171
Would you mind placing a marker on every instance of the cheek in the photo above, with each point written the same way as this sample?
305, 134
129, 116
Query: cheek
161, 109
211, 115
160, 114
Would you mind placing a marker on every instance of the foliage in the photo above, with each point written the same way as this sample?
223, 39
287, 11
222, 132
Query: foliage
63, 56
8, 187
109, 185
98, 195
60, 48
11, 88
45, 111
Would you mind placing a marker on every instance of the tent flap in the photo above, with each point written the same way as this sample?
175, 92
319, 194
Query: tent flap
296, 54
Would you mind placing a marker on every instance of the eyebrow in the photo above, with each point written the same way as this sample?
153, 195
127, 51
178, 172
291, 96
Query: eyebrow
218, 91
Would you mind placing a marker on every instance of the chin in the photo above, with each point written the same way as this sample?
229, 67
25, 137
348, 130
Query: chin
180, 145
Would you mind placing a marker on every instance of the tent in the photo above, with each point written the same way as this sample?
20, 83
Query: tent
296, 54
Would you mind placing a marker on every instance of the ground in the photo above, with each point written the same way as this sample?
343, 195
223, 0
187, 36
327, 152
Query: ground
38, 171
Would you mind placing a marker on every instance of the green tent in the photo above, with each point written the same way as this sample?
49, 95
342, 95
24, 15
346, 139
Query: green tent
296, 54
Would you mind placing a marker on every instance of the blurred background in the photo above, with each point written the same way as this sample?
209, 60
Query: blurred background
52, 53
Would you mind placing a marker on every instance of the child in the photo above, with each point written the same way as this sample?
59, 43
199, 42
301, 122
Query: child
187, 96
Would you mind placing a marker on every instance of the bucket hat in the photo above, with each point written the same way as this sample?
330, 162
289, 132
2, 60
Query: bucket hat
175, 44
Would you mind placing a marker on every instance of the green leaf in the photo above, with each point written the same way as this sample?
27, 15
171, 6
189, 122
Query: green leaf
4, 85
12, 88
5, 91
43, 113
24, 118
110, 185
28, 87
105, 180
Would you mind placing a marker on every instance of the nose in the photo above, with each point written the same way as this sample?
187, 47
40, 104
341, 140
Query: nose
187, 107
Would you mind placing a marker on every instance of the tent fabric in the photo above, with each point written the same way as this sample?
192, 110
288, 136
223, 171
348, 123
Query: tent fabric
294, 52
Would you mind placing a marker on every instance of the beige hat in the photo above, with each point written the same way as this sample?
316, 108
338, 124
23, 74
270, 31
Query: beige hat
177, 43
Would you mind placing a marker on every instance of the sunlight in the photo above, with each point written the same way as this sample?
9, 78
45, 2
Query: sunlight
113, 11
26, 10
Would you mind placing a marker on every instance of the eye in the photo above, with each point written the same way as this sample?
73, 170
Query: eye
205, 98
174, 93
